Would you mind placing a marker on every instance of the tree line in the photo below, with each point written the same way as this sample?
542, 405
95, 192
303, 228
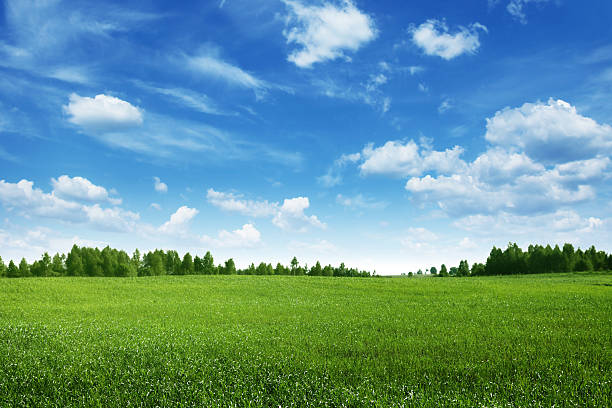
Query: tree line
537, 259
85, 261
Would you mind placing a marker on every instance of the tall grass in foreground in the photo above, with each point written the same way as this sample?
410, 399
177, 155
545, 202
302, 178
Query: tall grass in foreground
269, 341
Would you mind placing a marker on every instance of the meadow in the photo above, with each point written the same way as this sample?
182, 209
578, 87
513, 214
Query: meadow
289, 341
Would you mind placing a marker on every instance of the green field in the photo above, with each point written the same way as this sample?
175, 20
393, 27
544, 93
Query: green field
270, 341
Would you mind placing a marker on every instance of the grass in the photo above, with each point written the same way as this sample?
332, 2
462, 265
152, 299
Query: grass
268, 341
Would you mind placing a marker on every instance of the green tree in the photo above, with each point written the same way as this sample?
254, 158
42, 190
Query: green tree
24, 268
58, 267
316, 270
2, 268
280, 269
443, 271
187, 265
478, 269
433, 271
208, 264
294, 265
230, 267
74, 263
45, 264
12, 271
136, 261
463, 269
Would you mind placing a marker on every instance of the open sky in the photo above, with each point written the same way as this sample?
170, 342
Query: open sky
391, 135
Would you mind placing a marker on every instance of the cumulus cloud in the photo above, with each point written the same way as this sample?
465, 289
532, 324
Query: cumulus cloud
326, 32
111, 219
29, 201
179, 222
159, 186
288, 216
433, 38
246, 237
291, 215
498, 166
543, 157
79, 188
402, 159
102, 113
33, 201
552, 132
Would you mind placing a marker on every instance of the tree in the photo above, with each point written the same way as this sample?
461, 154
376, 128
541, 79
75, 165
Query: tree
463, 269
136, 262
2, 268
208, 264
443, 271
45, 265
316, 270
198, 266
12, 271
433, 271
187, 265
328, 270
57, 265
74, 264
478, 269
173, 263
280, 269
110, 263
24, 268
155, 263
262, 269
294, 265
230, 267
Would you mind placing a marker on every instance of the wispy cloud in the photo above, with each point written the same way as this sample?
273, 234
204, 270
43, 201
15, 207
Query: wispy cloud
188, 98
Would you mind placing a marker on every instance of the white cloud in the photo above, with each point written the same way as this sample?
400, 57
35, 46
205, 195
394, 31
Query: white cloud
445, 106
102, 112
80, 188
213, 67
155, 206
333, 177
326, 32
291, 215
515, 8
33, 201
498, 166
246, 237
419, 239
159, 185
551, 132
359, 201
233, 202
190, 99
485, 188
402, 159
111, 219
29, 201
288, 216
179, 221
433, 37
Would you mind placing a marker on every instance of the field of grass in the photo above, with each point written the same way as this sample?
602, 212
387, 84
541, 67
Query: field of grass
270, 341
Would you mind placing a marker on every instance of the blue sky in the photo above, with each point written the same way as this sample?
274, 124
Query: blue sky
389, 135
